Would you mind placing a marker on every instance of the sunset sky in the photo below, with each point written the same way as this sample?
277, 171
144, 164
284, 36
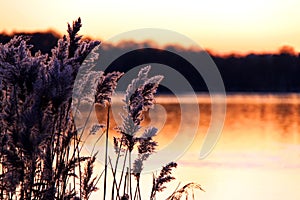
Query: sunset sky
222, 26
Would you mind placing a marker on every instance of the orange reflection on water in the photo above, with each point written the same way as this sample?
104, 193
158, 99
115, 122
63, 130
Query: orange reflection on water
257, 156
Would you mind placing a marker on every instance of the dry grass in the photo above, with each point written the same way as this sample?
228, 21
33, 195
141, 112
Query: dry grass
40, 147
39, 150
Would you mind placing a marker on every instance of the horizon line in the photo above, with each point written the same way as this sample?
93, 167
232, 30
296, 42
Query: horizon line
286, 48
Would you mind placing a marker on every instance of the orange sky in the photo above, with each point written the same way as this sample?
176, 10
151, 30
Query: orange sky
222, 26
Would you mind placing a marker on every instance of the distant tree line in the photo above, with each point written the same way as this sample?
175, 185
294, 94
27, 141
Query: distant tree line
251, 73
260, 73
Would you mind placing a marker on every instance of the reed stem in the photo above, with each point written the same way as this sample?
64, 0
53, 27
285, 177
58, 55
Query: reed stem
106, 152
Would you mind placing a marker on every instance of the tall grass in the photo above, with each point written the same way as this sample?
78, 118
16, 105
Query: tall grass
138, 100
39, 158
40, 147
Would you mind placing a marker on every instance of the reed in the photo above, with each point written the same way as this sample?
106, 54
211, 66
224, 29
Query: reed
38, 160
139, 99
40, 146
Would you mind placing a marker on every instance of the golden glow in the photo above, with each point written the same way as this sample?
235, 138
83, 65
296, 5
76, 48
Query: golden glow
257, 156
223, 26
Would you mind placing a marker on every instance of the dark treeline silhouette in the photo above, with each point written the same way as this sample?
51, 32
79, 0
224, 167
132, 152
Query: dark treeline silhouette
251, 73
43, 41
260, 73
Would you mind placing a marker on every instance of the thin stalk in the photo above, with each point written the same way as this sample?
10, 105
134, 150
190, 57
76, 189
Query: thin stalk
138, 188
96, 183
174, 191
106, 151
140, 197
74, 147
115, 181
122, 173
67, 148
98, 139
153, 187
125, 182
82, 131
130, 186
137, 193
66, 158
80, 173
115, 170
193, 194
1, 172
32, 174
60, 147
59, 151
77, 149
74, 143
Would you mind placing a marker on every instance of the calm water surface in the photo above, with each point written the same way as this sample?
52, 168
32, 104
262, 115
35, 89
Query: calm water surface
256, 157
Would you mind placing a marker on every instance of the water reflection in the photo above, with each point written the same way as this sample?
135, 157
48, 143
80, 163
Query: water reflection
257, 156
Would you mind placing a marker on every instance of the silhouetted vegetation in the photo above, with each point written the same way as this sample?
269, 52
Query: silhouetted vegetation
40, 156
40, 144
40, 41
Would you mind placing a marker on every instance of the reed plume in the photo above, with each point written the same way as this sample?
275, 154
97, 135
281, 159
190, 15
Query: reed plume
40, 146
37, 127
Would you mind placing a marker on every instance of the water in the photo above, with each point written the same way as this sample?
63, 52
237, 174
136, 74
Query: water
256, 157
